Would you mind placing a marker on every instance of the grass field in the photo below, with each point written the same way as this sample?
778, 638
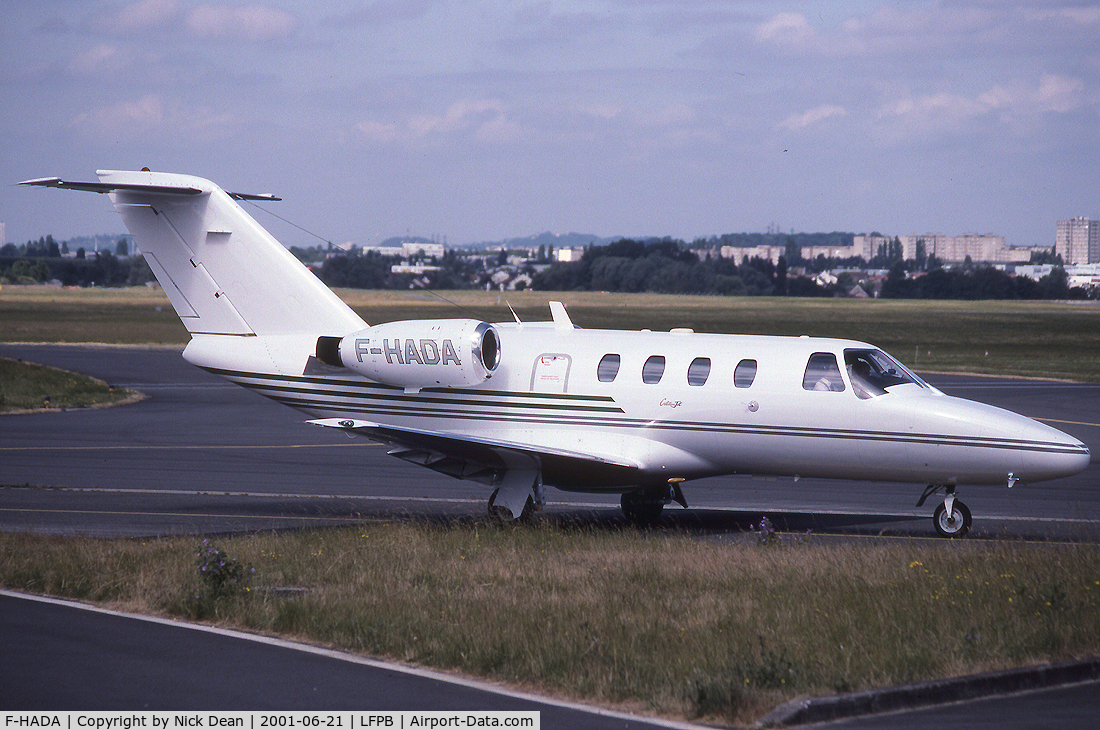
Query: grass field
1039, 339
652, 620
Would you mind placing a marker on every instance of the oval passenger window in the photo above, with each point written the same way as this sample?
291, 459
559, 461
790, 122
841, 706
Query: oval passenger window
699, 371
608, 368
653, 369
744, 374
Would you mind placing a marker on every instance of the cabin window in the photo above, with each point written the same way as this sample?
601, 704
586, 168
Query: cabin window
653, 369
699, 371
822, 373
608, 368
744, 374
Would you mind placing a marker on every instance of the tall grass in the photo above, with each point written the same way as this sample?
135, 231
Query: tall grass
655, 621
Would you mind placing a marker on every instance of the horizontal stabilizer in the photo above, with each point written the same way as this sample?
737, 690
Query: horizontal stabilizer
99, 187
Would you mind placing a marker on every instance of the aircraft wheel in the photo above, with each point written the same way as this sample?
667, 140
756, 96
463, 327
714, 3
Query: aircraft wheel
641, 508
956, 524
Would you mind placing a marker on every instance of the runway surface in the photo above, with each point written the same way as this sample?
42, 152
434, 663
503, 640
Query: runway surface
200, 455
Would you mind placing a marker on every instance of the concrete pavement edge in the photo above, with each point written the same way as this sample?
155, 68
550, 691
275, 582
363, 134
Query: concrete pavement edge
923, 694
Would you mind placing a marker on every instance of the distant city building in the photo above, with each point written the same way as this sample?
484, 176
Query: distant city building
412, 248
957, 249
1078, 241
772, 253
412, 268
568, 254
3, 233
948, 249
382, 250
1086, 276
768, 253
984, 248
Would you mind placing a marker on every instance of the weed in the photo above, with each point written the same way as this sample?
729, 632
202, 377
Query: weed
765, 532
221, 575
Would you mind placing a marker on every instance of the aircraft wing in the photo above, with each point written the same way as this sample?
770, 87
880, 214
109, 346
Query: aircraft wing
485, 459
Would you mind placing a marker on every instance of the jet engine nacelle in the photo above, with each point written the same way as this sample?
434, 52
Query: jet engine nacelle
414, 354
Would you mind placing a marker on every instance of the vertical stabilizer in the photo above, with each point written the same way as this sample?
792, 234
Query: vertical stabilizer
223, 273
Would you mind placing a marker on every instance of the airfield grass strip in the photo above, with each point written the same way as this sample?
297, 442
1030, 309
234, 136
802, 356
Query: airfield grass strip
29, 386
1034, 339
653, 621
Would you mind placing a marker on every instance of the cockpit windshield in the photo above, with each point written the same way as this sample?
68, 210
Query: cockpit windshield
873, 372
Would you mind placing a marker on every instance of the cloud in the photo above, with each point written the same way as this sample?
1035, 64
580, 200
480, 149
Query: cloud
378, 132
1089, 15
95, 60
256, 23
785, 28
813, 116
484, 119
667, 116
152, 114
599, 110
1058, 94
459, 115
1017, 105
384, 12
137, 16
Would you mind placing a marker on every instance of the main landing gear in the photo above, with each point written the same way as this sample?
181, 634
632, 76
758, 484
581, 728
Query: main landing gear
644, 506
952, 517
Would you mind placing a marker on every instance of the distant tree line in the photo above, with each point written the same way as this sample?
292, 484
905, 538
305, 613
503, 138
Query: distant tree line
977, 282
371, 270
665, 265
668, 266
46, 260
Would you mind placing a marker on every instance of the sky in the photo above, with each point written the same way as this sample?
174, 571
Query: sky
483, 120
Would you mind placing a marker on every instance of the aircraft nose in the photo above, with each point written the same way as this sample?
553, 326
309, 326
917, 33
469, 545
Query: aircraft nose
1048, 453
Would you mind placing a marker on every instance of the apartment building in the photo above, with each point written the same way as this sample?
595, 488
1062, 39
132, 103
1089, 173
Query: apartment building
1078, 241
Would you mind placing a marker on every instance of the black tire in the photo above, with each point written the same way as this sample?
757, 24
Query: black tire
957, 524
640, 508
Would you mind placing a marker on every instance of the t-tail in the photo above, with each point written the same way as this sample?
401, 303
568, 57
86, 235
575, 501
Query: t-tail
222, 271
225, 275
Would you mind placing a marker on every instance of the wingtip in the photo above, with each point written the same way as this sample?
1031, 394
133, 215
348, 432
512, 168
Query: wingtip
43, 181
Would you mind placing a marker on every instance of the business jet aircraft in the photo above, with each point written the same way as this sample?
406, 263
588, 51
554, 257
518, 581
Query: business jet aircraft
520, 406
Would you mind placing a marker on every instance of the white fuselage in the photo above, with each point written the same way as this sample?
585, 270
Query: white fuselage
547, 396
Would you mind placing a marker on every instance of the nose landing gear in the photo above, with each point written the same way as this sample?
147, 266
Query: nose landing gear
952, 517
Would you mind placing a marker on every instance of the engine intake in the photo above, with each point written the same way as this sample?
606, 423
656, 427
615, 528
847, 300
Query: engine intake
414, 354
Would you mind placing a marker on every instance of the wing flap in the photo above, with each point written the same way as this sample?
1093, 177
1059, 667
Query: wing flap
471, 457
